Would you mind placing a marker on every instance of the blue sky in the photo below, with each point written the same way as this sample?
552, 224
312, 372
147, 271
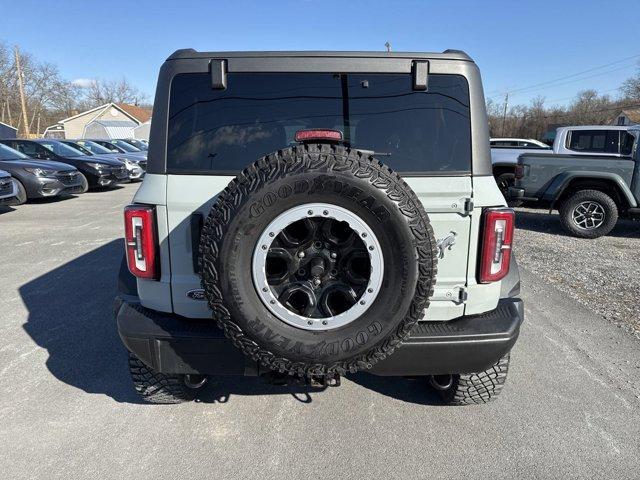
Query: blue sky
517, 44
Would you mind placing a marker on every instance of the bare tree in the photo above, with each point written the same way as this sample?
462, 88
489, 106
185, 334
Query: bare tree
630, 88
102, 91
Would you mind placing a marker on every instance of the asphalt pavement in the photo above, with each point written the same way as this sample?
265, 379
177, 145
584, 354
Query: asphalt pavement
570, 409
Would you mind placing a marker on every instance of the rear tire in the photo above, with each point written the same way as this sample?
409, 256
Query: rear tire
156, 387
504, 181
477, 388
601, 211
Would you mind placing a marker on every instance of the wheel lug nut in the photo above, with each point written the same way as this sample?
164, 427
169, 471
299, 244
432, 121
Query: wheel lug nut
364, 234
264, 247
271, 234
334, 255
301, 254
272, 302
326, 212
324, 322
370, 290
310, 212
370, 247
362, 302
265, 289
316, 281
310, 322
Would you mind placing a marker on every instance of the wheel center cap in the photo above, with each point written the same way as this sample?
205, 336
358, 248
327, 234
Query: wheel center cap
318, 266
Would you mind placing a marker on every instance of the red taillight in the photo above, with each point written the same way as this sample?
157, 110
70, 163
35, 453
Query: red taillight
140, 241
318, 134
497, 238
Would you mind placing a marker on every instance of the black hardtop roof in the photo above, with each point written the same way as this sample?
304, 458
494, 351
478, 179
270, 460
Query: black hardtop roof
446, 55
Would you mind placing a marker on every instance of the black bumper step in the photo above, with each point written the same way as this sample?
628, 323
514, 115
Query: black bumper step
172, 344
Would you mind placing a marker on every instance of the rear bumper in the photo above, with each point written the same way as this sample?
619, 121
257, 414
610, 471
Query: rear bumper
172, 344
516, 193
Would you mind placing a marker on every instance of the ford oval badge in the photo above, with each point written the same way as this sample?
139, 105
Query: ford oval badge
197, 294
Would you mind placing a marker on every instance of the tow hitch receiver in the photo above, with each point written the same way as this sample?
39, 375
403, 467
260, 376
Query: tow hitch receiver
283, 379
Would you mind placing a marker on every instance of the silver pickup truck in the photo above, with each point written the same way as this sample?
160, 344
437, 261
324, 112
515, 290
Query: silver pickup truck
590, 191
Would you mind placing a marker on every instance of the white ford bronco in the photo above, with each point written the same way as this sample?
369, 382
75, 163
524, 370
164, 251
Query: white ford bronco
307, 215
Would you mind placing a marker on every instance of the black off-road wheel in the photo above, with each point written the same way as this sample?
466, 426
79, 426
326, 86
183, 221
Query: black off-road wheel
473, 388
588, 214
156, 387
317, 260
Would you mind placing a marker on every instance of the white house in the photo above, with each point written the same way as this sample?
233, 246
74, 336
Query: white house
629, 116
75, 126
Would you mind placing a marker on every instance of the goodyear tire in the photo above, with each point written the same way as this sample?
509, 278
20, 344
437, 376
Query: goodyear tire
317, 260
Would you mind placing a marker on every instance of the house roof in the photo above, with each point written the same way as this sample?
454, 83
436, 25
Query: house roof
114, 128
139, 113
95, 109
632, 114
134, 112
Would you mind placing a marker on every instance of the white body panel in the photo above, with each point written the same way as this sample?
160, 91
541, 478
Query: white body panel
443, 197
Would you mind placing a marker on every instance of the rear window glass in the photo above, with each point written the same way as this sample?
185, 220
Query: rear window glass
223, 131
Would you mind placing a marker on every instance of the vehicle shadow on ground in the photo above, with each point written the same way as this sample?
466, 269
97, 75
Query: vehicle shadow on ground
544, 222
410, 390
6, 209
71, 316
102, 189
222, 389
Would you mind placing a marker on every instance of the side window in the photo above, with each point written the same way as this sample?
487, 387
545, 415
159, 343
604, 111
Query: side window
597, 141
26, 148
504, 144
42, 152
626, 143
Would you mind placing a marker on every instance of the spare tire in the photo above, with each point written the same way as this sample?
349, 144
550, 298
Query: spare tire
317, 260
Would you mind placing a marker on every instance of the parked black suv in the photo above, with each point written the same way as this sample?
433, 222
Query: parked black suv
94, 172
39, 178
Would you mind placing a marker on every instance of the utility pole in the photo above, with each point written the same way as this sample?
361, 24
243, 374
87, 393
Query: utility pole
23, 100
388, 45
504, 112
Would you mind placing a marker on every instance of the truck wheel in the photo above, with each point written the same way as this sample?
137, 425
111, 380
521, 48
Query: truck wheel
472, 388
588, 214
504, 181
317, 260
156, 387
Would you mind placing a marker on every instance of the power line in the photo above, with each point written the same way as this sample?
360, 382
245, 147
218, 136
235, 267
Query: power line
574, 96
574, 80
512, 91
599, 110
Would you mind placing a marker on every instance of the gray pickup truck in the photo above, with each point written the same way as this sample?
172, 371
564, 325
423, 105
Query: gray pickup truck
590, 191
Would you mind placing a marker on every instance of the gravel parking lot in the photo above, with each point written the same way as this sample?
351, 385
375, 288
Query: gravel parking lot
601, 274
570, 408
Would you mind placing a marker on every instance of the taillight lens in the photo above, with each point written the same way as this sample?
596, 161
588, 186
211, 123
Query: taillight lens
141, 241
497, 238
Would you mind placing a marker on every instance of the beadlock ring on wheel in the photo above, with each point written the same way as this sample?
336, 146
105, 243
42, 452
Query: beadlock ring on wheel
312, 211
